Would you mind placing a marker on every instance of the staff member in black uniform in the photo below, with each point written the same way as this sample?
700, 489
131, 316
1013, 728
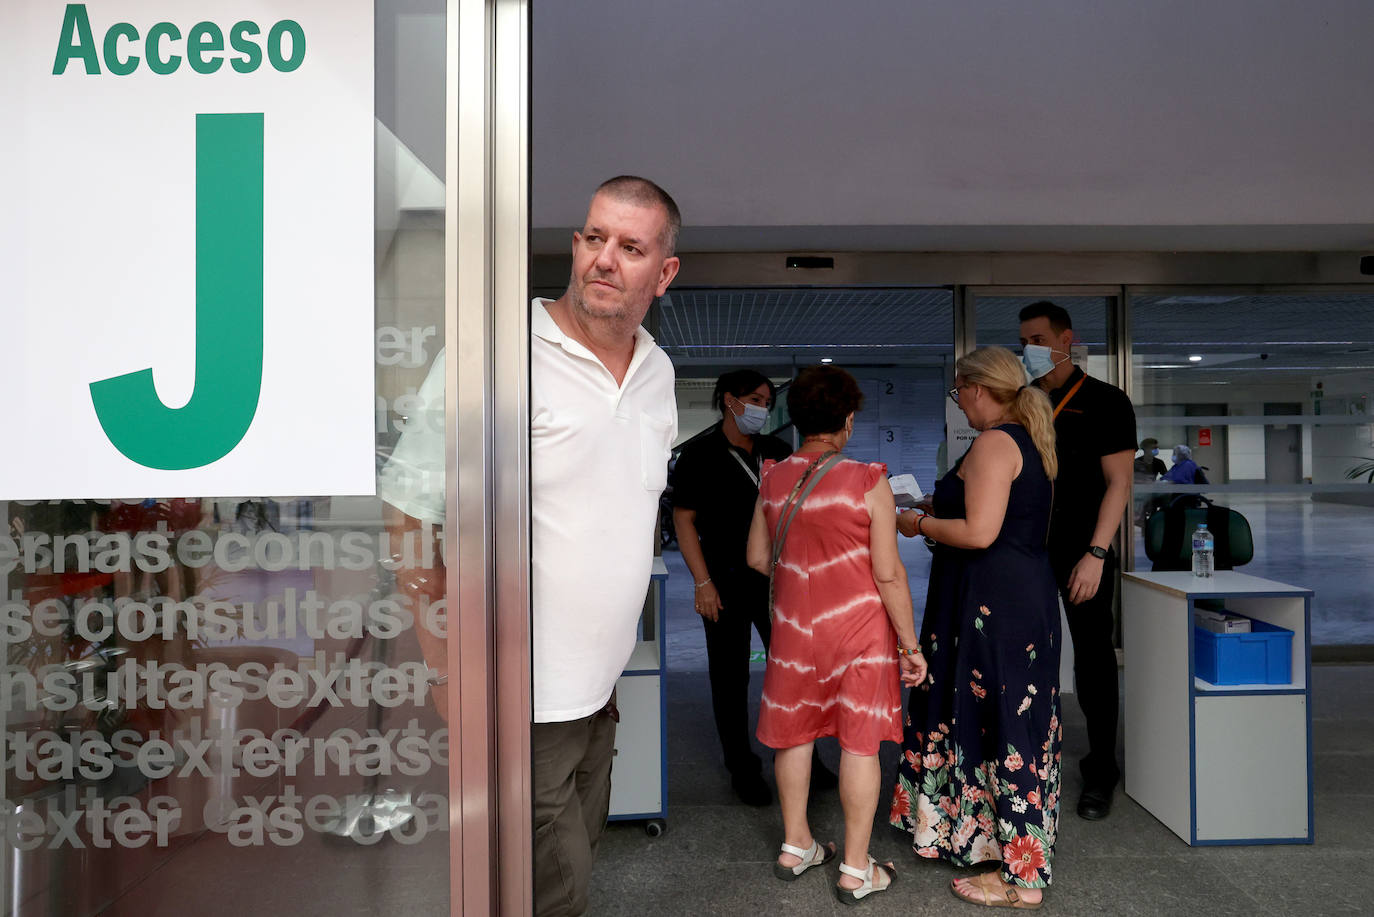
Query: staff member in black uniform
1148, 466
1094, 426
715, 486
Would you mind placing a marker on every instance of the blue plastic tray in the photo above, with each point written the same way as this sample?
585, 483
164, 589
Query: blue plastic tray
1262, 657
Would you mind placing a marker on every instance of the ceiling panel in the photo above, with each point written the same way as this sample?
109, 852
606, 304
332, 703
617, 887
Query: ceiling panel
1285, 320
852, 325
1279, 334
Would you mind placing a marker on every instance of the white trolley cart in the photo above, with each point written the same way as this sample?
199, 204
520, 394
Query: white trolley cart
1216, 764
639, 776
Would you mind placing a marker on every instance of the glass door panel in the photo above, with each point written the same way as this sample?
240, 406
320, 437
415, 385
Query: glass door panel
226, 703
1270, 393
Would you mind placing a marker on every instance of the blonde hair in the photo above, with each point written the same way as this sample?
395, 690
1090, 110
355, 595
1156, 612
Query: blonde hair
999, 371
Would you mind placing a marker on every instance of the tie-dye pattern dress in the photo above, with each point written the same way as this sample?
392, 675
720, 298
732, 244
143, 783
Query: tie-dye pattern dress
979, 776
832, 663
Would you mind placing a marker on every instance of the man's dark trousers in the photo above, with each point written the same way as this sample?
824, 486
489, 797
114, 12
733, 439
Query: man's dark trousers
572, 795
1094, 667
744, 595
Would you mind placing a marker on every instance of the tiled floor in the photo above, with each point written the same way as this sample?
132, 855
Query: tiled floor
715, 856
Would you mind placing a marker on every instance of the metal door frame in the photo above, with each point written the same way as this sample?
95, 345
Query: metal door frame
486, 172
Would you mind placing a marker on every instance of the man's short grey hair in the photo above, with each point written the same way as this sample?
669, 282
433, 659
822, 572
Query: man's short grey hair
632, 189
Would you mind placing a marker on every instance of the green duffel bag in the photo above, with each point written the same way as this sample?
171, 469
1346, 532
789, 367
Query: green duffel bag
1169, 534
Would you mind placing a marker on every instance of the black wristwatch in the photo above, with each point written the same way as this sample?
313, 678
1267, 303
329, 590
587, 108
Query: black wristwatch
1099, 553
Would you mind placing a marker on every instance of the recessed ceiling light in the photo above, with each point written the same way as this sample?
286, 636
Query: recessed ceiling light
1197, 300
1195, 358
829, 360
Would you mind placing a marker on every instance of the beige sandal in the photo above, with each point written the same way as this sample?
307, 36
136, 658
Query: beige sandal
817, 855
995, 893
855, 895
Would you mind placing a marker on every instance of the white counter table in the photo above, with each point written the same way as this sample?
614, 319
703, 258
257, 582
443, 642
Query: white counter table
1216, 764
639, 776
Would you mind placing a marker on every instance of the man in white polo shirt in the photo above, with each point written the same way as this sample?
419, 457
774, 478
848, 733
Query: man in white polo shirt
603, 418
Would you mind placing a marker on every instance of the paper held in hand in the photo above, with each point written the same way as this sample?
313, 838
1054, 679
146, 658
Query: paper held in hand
906, 491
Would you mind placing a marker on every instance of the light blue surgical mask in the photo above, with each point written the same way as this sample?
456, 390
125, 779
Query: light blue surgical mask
752, 420
1154, 452
1039, 360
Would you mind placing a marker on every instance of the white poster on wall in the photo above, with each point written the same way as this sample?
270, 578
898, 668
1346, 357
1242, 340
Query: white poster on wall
187, 258
958, 434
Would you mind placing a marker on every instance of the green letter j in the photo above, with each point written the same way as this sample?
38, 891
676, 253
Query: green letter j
229, 245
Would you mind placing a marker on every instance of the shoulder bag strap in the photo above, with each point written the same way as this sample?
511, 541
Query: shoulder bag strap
809, 479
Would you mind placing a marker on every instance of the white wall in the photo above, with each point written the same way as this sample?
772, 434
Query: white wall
1245, 458
410, 51
1336, 449
778, 114
694, 410
1328, 449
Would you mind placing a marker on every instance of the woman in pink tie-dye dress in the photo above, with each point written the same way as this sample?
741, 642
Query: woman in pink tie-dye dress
842, 620
832, 664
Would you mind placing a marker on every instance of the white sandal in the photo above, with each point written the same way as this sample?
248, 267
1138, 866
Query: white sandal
817, 855
855, 895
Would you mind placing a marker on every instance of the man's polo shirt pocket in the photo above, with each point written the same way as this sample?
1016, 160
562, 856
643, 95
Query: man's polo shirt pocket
655, 447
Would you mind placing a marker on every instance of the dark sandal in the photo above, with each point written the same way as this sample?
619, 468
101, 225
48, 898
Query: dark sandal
855, 895
990, 895
817, 855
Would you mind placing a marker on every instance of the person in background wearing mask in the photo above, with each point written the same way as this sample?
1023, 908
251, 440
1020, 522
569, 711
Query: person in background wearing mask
1094, 426
715, 486
1148, 466
1184, 469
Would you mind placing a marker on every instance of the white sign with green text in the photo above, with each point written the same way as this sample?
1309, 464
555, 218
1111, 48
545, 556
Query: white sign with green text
187, 249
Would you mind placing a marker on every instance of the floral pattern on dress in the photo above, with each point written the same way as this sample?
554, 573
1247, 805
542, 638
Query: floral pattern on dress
1004, 810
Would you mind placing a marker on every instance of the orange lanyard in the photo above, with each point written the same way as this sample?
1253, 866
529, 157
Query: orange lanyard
1073, 391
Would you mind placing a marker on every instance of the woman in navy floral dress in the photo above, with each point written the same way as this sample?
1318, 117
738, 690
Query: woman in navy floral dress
979, 777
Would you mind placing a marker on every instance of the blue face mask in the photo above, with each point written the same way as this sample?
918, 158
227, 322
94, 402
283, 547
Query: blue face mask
1039, 360
1154, 452
752, 420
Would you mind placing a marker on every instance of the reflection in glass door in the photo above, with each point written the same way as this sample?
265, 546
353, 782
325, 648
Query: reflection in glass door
234, 703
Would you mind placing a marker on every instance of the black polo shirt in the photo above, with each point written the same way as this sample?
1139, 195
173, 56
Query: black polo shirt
710, 480
1149, 467
1096, 420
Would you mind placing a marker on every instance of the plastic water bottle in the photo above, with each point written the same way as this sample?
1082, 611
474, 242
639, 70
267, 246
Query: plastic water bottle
1204, 545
